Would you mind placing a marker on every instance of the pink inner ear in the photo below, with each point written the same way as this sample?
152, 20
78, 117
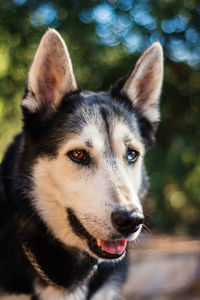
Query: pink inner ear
144, 87
46, 86
51, 76
147, 84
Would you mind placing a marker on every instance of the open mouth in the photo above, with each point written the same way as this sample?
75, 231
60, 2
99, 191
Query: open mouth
104, 249
108, 249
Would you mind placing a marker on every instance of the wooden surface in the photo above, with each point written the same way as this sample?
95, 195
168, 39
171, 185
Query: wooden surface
164, 268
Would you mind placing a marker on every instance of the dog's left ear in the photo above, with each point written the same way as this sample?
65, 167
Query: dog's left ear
143, 87
51, 75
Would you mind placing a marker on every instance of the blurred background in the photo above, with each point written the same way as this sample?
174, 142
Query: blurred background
105, 38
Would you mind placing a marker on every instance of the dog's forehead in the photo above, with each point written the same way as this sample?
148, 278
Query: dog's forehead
108, 109
103, 108
100, 117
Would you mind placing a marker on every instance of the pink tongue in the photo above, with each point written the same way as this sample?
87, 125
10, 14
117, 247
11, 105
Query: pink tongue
114, 247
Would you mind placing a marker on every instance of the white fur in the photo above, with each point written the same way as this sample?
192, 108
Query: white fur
109, 292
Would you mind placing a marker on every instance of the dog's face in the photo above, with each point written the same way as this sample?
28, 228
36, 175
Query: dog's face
87, 149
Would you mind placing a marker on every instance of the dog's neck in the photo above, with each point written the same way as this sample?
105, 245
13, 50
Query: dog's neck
52, 265
52, 262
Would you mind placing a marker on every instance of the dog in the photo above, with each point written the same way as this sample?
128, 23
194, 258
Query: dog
72, 182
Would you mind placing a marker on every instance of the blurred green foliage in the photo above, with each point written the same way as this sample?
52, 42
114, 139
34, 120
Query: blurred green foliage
105, 38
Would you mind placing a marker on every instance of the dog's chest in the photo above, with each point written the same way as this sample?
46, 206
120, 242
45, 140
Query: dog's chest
51, 293
107, 293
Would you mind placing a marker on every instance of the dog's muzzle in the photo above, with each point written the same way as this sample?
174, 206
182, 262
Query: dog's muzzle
112, 249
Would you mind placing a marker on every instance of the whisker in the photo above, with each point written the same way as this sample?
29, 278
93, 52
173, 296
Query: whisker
146, 229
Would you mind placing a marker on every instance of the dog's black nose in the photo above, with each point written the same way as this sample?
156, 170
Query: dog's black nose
127, 222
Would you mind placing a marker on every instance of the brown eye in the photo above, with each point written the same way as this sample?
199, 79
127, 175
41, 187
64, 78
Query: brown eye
79, 156
132, 155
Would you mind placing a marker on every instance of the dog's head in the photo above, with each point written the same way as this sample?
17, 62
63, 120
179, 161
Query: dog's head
86, 149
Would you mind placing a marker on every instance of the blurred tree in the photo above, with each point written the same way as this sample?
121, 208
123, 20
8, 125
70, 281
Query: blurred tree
104, 39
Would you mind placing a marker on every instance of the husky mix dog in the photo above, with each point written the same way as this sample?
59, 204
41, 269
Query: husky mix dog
72, 182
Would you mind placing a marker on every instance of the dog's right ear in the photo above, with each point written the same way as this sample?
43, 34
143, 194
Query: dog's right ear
51, 75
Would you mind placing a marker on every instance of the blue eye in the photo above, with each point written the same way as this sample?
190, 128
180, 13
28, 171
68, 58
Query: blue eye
132, 155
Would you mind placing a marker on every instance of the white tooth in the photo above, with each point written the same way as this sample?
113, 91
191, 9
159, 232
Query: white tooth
99, 242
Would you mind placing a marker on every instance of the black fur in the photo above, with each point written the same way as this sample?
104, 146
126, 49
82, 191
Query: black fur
106, 270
